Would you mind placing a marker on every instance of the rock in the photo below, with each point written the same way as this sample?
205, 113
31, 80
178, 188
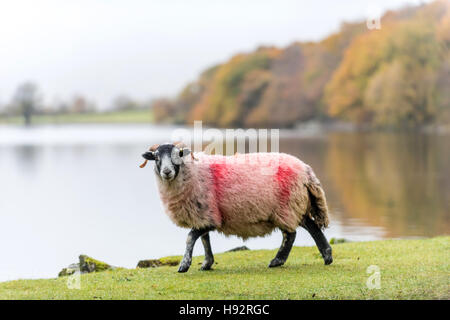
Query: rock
238, 249
66, 272
86, 265
150, 263
153, 263
338, 240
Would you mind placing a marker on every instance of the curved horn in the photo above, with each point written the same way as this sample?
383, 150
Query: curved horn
179, 144
152, 148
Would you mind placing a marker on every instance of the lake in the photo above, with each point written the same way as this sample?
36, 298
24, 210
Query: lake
72, 189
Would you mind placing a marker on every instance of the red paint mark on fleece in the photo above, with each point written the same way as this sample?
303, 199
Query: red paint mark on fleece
218, 171
285, 176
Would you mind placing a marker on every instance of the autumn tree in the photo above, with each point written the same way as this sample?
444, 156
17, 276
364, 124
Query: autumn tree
163, 110
396, 76
388, 76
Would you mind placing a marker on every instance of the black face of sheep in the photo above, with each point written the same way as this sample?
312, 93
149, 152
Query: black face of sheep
168, 159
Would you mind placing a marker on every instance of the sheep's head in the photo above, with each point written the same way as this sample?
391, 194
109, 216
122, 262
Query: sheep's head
168, 158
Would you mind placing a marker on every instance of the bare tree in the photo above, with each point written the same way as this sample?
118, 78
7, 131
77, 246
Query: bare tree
27, 99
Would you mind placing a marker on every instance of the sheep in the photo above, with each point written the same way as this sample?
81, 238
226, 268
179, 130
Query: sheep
246, 195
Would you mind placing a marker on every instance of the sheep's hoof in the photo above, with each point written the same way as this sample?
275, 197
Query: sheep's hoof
276, 263
206, 265
183, 268
327, 257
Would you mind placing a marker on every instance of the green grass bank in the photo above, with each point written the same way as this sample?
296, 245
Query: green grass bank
409, 269
132, 116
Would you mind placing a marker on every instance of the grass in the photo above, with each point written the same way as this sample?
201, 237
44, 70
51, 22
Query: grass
132, 116
410, 269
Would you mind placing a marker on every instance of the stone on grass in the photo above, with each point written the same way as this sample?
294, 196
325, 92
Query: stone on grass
242, 248
338, 240
153, 263
86, 264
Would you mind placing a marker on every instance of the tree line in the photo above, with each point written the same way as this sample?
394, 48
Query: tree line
398, 76
28, 101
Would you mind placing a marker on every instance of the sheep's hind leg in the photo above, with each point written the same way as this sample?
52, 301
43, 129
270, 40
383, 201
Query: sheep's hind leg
209, 257
285, 249
193, 235
319, 238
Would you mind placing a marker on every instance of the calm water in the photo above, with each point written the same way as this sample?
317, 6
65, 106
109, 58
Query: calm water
68, 190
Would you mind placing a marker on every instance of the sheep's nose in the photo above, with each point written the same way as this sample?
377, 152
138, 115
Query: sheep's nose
167, 171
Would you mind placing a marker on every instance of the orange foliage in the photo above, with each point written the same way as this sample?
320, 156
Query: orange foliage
396, 76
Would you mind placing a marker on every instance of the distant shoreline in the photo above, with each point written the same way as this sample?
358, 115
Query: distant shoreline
146, 117
131, 116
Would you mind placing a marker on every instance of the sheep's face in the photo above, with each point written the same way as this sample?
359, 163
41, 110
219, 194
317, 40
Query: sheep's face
168, 159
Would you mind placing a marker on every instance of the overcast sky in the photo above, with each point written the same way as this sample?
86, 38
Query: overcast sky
142, 48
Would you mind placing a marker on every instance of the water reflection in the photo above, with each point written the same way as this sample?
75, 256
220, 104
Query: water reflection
26, 158
397, 181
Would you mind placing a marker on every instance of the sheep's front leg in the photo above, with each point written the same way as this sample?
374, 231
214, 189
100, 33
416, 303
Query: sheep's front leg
285, 249
193, 235
209, 258
320, 240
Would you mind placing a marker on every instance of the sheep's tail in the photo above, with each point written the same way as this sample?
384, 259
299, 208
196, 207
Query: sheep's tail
319, 208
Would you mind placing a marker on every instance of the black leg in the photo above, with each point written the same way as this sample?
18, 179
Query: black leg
318, 236
209, 258
285, 249
193, 235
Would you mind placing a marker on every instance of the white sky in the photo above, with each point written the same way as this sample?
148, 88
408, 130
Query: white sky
103, 48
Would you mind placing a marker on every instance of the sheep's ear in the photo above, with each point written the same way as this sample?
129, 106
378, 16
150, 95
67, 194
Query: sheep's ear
149, 155
184, 152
